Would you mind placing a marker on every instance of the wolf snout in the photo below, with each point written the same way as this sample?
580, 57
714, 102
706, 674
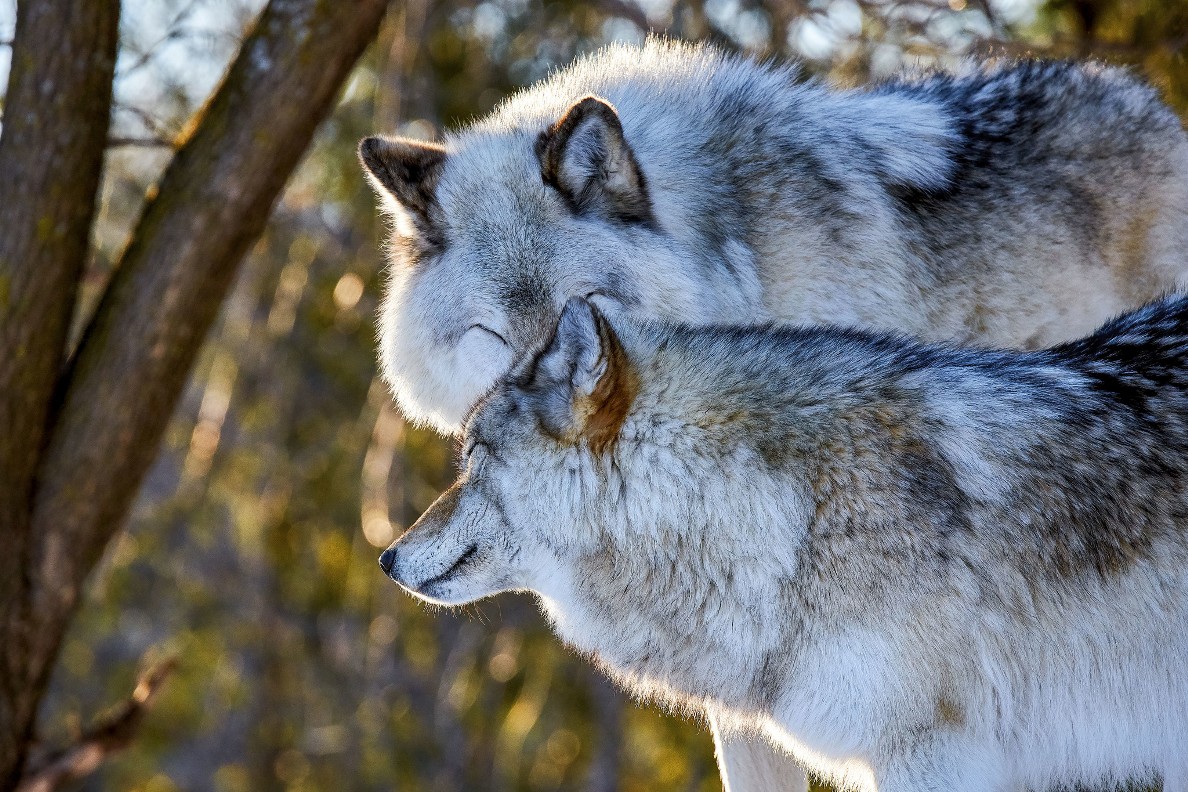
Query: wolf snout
388, 560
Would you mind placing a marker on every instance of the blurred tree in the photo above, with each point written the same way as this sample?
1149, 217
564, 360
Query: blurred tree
78, 431
1149, 34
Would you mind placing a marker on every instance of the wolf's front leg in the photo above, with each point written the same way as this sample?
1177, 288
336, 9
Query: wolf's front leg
750, 764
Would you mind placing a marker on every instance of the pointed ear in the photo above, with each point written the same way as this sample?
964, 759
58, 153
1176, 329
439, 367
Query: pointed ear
582, 385
408, 170
586, 158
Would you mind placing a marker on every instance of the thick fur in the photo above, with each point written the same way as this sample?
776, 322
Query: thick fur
1015, 204
916, 567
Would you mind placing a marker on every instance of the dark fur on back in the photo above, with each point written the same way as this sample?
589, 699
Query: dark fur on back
1099, 425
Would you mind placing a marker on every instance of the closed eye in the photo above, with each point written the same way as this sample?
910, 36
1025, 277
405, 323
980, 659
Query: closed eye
485, 329
464, 457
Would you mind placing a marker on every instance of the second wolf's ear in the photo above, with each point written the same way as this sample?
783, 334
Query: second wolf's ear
582, 385
586, 158
408, 171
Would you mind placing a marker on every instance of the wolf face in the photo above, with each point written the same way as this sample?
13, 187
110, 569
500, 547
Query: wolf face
490, 244
547, 502
1016, 205
493, 532
914, 566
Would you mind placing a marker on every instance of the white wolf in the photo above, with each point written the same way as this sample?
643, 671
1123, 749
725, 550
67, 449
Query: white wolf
918, 568
1016, 204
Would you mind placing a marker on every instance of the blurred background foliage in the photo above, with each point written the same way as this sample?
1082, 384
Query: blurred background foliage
251, 552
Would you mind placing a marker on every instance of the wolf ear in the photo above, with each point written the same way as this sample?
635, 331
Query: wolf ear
586, 158
408, 170
582, 385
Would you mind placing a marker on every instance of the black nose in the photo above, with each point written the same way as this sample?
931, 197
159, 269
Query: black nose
387, 560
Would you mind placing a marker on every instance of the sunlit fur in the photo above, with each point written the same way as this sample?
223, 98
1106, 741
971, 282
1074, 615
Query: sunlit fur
1015, 204
915, 567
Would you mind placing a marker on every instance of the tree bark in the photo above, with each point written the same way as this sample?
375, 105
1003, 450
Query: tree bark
56, 117
109, 408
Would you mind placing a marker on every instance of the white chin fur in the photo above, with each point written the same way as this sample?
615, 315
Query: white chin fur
438, 388
444, 594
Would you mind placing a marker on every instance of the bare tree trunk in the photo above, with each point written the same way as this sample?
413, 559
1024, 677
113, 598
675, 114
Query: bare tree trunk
51, 154
75, 446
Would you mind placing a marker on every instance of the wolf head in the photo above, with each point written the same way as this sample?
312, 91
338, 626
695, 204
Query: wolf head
609, 478
531, 454
554, 196
599, 457
494, 230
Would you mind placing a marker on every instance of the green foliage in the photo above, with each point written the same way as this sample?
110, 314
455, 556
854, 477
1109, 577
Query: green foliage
251, 553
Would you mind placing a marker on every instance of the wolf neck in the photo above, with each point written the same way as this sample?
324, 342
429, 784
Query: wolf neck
758, 185
683, 640
683, 592
693, 593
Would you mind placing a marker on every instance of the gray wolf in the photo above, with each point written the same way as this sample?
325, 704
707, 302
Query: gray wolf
1015, 204
914, 566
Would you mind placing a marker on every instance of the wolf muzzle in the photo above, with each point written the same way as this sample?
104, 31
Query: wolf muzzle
387, 560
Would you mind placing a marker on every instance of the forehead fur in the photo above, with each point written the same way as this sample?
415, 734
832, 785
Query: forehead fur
490, 176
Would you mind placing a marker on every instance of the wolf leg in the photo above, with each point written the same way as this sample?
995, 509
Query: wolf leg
750, 764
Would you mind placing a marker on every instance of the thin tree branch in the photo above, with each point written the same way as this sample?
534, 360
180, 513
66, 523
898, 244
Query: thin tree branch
628, 10
111, 732
127, 142
173, 30
57, 110
133, 359
997, 28
154, 125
